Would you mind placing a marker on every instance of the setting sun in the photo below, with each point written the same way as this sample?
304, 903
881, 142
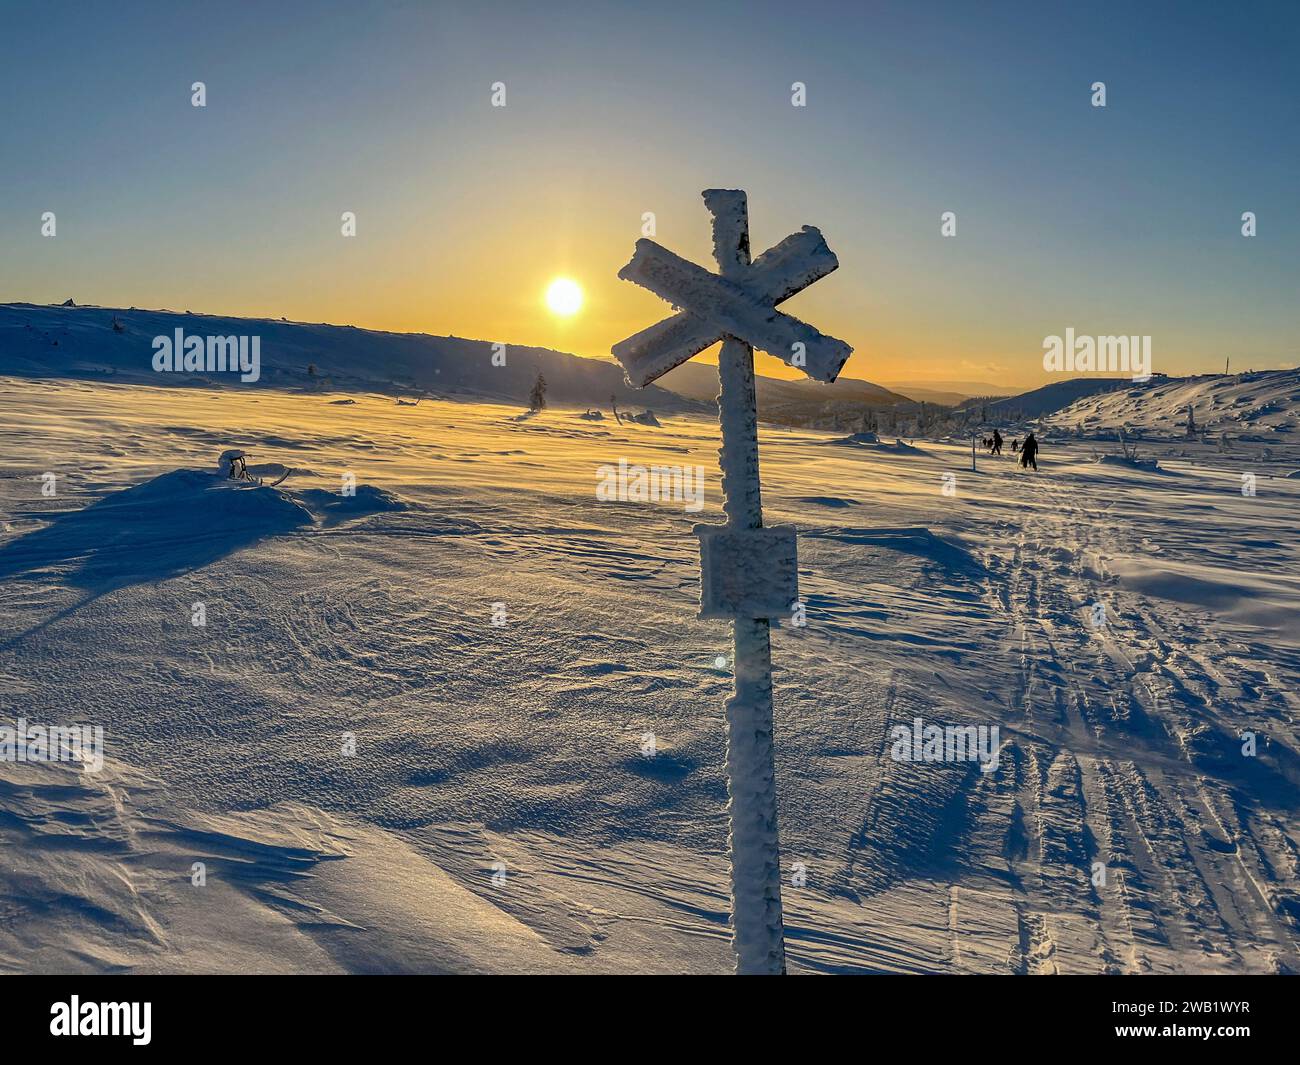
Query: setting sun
564, 296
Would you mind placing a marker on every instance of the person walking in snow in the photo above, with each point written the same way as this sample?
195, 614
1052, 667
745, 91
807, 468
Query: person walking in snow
1015, 445
1028, 452
997, 442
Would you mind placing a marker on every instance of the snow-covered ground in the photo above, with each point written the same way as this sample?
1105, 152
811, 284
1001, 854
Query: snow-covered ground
499, 813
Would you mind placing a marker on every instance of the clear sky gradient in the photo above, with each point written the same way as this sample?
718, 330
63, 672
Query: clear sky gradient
1123, 220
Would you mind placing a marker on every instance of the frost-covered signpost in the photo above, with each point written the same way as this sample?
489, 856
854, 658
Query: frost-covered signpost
749, 574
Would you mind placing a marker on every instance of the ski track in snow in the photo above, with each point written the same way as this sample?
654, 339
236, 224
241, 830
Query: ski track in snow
516, 749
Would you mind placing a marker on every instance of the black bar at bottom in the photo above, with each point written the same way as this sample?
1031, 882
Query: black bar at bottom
366, 1012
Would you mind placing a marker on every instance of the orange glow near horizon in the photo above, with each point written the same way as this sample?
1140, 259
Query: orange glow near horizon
481, 272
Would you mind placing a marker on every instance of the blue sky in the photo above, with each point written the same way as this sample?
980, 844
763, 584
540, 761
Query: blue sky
1117, 220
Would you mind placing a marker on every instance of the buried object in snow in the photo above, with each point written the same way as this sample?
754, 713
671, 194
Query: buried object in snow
232, 465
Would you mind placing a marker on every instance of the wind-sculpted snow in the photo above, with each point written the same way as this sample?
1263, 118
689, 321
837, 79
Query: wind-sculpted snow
547, 793
100, 876
917, 541
170, 524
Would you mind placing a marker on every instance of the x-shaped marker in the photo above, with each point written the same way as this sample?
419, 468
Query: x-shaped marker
714, 308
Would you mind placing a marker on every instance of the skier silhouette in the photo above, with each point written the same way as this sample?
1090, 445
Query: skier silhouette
1028, 452
1015, 445
997, 442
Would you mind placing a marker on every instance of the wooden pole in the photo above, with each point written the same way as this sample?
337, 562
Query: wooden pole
753, 843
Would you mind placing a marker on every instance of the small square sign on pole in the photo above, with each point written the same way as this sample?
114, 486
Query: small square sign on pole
749, 574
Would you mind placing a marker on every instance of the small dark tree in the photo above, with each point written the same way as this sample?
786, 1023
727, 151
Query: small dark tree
537, 397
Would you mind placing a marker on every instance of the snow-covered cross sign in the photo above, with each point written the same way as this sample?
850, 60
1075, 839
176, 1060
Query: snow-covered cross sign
749, 574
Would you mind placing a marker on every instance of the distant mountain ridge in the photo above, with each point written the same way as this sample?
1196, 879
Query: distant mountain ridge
81, 341
949, 393
940, 397
116, 344
788, 402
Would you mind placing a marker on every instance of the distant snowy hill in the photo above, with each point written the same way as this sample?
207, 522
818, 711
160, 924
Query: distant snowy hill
940, 397
81, 342
1049, 398
1260, 406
